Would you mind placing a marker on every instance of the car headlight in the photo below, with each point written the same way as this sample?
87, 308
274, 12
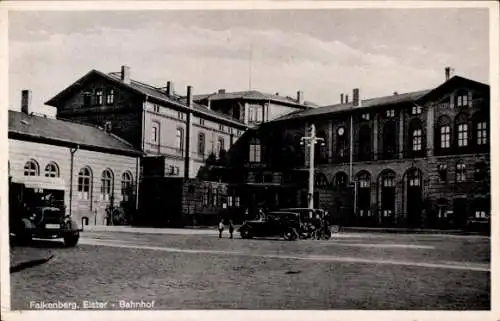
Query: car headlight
33, 216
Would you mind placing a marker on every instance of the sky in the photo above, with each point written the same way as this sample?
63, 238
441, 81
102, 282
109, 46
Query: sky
321, 52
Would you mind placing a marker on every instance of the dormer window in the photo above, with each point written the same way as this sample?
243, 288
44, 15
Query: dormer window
110, 97
462, 99
416, 110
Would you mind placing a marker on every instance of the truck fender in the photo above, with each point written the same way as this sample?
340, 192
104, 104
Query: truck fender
27, 224
74, 224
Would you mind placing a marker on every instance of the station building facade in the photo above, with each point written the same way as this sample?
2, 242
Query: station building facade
419, 159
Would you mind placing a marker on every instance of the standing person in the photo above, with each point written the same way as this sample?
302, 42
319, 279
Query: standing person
231, 229
221, 228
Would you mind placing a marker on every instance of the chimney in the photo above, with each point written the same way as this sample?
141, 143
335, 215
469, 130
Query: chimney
170, 88
277, 94
300, 97
341, 98
125, 76
346, 98
395, 93
221, 91
447, 72
25, 101
355, 97
189, 96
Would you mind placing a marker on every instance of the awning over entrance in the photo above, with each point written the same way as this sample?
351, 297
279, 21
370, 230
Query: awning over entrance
41, 182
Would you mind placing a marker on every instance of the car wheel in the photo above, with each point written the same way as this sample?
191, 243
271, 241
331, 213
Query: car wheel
71, 239
245, 234
290, 235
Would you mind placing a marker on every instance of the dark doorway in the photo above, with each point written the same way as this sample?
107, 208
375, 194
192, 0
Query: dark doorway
460, 212
414, 204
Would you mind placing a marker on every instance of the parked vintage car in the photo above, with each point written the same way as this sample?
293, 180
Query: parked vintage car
282, 224
307, 214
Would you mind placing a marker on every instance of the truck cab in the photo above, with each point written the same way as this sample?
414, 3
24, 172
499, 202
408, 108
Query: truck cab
37, 209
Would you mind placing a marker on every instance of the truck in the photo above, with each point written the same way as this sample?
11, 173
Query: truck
37, 210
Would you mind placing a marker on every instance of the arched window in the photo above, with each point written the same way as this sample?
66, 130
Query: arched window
444, 132
363, 193
31, 168
389, 139
106, 185
365, 143
340, 180
179, 140
84, 183
51, 170
414, 177
462, 131
126, 185
321, 180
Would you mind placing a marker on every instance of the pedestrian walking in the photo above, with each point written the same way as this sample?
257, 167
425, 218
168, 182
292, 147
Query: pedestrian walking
221, 228
231, 229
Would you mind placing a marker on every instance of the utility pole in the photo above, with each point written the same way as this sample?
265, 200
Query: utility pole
311, 142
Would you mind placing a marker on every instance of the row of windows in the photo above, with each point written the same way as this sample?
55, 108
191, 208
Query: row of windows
31, 168
480, 172
85, 180
215, 197
98, 97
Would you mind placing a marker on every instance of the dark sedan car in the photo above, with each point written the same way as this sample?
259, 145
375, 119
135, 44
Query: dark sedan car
282, 224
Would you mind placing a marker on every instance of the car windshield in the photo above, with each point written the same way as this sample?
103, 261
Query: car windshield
53, 212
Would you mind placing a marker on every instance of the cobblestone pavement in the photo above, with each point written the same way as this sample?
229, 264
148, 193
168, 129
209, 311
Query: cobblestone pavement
201, 271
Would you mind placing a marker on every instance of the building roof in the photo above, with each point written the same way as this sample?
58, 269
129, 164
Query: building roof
254, 95
67, 132
146, 90
416, 97
367, 103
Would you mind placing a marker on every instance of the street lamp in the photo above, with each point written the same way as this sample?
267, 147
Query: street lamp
311, 142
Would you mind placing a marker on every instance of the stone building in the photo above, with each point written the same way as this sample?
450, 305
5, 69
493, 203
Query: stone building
418, 159
95, 168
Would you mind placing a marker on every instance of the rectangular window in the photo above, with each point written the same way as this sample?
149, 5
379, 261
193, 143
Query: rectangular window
156, 108
390, 113
201, 144
365, 116
180, 115
482, 133
417, 140
87, 99
221, 127
255, 153
110, 97
155, 130
445, 136
220, 145
179, 140
237, 201
202, 122
460, 173
462, 135
480, 214
389, 182
98, 97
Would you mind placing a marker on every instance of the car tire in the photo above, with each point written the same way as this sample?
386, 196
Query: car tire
245, 234
71, 239
290, 235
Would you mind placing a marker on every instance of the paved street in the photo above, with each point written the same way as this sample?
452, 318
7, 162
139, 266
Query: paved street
196, 270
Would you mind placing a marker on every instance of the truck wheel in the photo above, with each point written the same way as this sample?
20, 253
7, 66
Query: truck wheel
71, 239
24, 237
